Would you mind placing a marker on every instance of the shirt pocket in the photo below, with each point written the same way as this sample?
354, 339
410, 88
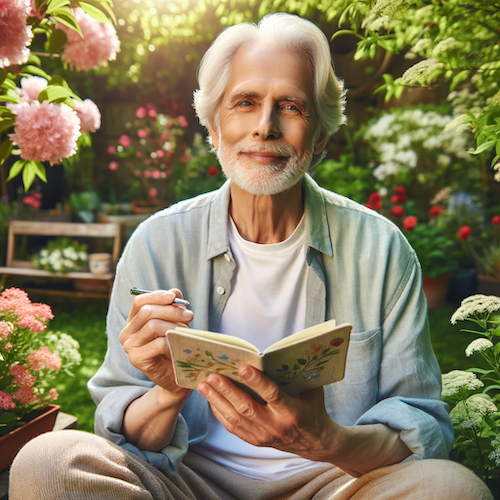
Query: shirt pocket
348, 399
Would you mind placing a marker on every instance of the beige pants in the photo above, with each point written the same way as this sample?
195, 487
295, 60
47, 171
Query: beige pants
77, 465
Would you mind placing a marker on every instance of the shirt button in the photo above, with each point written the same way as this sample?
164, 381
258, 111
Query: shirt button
226, 256
221, 290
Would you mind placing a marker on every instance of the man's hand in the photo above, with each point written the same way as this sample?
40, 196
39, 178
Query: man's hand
301, 426
144, 340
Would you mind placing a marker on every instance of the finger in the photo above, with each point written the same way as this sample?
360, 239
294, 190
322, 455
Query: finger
152, 329
161, 297
151, 312
263, 386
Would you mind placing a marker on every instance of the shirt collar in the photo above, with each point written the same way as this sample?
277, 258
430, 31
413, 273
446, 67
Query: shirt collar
315, 218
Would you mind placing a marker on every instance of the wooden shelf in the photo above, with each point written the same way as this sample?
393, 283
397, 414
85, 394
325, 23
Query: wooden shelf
26, 271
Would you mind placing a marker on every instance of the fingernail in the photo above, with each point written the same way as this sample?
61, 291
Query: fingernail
213, 381
202, 388
246, 374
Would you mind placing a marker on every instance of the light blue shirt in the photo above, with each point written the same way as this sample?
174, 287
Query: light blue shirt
364, 273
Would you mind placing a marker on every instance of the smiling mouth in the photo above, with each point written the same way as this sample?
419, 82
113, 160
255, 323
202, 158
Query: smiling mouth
264, 157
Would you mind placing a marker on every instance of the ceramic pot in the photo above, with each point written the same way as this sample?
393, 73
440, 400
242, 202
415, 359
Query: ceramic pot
149, 206
100, 263
436, 290
10, 444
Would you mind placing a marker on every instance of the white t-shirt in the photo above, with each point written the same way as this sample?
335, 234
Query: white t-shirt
267, 303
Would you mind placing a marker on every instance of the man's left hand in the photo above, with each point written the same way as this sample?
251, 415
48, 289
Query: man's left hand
301, 426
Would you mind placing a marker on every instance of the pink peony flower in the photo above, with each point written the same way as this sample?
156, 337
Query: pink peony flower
43, 359
5, 329
113, 165
152, 113
125, 141
140, 112
153, 192
182, 121
31, 88
15, 35
22, 376
111, 150
46, 131
25, 395
98, 45
89, 115
6, 402
142, 133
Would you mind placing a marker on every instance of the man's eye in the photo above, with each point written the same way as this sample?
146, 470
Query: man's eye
291, 107
244, 103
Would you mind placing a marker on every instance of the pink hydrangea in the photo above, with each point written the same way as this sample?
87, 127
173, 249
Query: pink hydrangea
98, 45
22, 376
43, 359
46, 131
5, 329
15, 35
31, 87
25, 395
89, 115
52, 395
6, 402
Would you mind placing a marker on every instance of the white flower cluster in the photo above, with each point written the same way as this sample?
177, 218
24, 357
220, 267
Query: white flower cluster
495, 454
496, 168
412, 137
61, 256
383, 12
420, 72
470, 413
476, 305
459, 379
478, 345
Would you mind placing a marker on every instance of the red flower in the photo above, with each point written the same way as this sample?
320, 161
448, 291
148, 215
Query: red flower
400, 190
212, 171
375, 201
142, 133
397, 211
495, 220
464, 232
409, 223
336, 342
435, 211
395, 199
111, 150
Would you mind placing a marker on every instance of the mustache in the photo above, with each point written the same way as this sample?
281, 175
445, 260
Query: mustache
276, 148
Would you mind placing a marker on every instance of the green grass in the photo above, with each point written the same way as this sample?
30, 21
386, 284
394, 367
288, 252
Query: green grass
85, 321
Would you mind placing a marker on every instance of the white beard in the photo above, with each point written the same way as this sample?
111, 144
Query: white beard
260, 179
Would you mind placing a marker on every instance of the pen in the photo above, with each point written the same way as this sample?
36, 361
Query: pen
138, 291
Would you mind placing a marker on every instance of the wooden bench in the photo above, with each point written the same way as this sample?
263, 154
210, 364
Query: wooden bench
60, 229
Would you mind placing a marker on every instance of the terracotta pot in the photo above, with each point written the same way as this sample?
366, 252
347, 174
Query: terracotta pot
436, 290
10, 444
146, 206
100, 263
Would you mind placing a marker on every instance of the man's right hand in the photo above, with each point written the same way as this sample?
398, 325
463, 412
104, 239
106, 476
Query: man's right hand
144, 340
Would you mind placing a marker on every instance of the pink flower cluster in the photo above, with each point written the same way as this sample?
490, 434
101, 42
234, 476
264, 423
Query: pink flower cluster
89, 115
31, 87
29, 315
6, 402
43, 359
15, 35
5, 329
22, 376
46, 131
98, 45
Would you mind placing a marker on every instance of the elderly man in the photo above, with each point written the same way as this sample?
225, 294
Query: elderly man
268, 254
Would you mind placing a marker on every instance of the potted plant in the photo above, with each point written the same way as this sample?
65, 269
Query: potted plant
30, 360
61, 255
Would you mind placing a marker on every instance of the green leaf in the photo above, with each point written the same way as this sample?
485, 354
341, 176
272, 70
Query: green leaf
29, 175
483, 147
11, 96
34, 59
16, 168
64, 16
95, 12
34, 70
59, 80
6, 124
5, 150
39, 170
8, 84
56, 41
301, 361
53, 93
56, 4
3, 75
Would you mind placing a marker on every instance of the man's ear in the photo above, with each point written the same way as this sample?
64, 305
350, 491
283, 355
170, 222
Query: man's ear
214, 135
320, 142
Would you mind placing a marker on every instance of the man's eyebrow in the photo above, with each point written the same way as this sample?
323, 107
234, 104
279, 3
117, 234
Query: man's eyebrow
242, 95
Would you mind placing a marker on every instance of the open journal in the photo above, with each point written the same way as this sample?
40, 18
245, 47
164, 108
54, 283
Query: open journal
303, 361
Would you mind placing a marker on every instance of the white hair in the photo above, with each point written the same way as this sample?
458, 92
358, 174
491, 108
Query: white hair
284, 31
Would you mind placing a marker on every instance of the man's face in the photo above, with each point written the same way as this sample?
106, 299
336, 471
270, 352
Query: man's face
268, 124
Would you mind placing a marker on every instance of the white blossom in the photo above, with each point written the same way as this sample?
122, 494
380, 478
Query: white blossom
420, 71
470, 413
475, 304
458, 379
478, 345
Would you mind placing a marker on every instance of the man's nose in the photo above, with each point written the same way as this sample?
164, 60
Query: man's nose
267, 126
